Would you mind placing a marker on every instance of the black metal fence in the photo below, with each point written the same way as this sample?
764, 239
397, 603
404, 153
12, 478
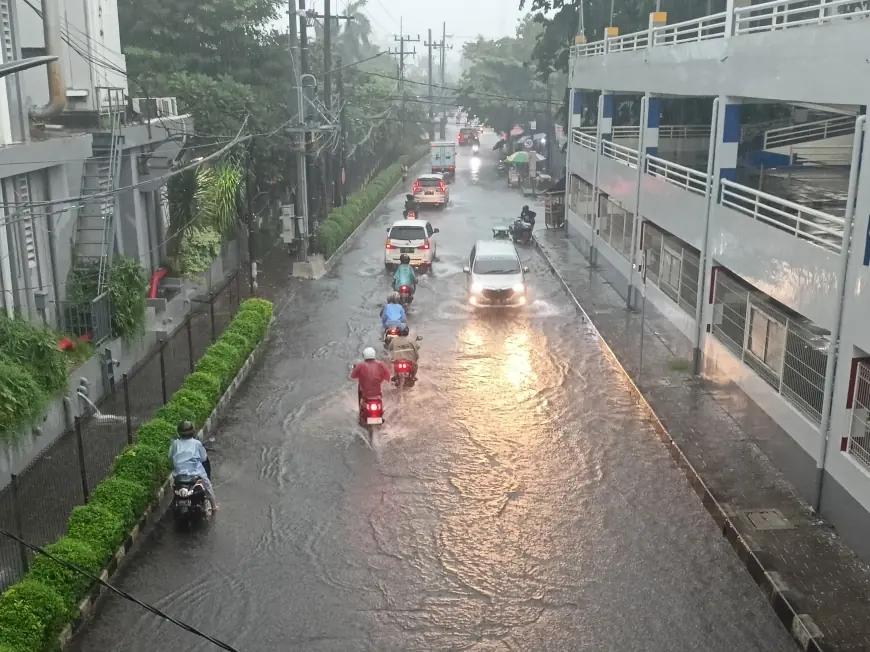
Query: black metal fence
37, 503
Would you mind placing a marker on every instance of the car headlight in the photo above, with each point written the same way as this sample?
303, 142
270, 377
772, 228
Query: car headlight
519, 288
476, 288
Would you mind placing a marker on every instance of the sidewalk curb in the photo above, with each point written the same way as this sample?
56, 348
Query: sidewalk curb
344, 246
801, 626
157, 509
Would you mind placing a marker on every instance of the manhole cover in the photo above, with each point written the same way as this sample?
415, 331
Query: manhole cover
767, 519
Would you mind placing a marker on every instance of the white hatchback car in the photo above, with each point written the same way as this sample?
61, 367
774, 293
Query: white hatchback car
431, 189
411, 237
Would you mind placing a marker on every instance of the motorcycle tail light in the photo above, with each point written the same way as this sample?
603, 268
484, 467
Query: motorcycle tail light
393, 331
403, 366
425, 245
404, 289
375, 408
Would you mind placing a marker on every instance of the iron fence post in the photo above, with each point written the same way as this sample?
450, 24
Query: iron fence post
189, 343
80, 445
211, 318
238, 287
19, 527
162, 372
127, 409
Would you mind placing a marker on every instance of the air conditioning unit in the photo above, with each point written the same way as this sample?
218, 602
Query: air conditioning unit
288, 227
159, 107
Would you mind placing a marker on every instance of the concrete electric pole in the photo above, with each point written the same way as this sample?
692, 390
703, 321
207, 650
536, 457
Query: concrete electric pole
429, 44
444, 47
401, 39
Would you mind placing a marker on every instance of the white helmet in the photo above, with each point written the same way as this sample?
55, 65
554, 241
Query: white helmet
369, 353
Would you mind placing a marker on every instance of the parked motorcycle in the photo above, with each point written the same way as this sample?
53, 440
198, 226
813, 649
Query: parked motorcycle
189, 502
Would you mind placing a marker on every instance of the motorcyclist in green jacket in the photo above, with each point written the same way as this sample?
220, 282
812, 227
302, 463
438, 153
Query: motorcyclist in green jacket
405, 274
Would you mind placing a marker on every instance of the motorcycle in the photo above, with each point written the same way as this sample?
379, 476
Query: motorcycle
404, 373
189, 502
501, 168
410, 215
406, 296
389, 333
475, 149
371, 414
521, 231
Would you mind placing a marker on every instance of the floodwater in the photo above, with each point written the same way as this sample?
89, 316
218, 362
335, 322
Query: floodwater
516, 499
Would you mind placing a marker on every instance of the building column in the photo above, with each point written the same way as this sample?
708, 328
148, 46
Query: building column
139, 214
651, 122
730, 6
728, 137
605, 121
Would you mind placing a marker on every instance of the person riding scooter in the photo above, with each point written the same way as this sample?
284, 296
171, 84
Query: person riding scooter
370, 374
405, 275
393, 314
522, 228
404, 172
403, 348
410, 205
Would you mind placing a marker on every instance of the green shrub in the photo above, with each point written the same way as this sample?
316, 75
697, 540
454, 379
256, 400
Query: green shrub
70, 585
157, 433
198, 403
144, 465
97, 526
35, 349
20, 628
235, 357
261, 306
123, 497
237, 341
218, 367
205, 384
42, 601
21, 398
175, 413
127, 287
254, 323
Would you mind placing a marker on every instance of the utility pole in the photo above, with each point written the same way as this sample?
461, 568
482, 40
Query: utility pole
341, 195
431, 116
302, 228
401, 39
444, 47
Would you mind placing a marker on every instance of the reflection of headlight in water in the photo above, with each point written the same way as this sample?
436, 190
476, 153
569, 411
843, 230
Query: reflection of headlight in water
475, 149
475, 164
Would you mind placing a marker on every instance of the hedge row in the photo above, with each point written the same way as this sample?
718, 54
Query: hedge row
34, 611
343, 220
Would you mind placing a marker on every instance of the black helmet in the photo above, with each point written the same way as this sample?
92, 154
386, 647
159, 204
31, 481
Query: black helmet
404, 330
186, 429
525, 208
409, 197
405, 259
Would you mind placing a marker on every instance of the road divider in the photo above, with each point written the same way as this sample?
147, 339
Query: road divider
343, 221
51, 602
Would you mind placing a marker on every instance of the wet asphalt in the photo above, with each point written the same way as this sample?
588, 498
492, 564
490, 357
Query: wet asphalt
515, 500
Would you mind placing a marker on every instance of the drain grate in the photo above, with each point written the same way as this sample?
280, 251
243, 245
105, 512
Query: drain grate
767, 519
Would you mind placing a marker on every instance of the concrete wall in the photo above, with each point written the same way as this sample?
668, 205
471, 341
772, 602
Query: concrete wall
791, 65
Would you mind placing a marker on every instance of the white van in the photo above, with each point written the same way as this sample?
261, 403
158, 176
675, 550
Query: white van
496, 276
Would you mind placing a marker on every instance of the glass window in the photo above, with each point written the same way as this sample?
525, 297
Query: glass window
429, 183
408, 233
766, 340
670, 269
501, 265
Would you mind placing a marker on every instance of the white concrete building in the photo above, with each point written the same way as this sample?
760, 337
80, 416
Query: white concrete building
61, 165
769, 287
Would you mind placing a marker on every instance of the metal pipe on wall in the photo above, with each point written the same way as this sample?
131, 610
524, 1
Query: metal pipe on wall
705, 244
637, 221
836, 330
596, 193
56, 84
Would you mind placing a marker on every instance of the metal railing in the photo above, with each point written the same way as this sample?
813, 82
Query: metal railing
677, 175
859, 432
790, 354
809, 131
765, 17
814, 226
628, 42
588, 141
672, 266
787, 14
688, 31
684, 131
91, 320
621, 153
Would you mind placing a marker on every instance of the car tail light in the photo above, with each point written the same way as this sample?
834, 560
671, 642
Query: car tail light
390, 245
416, 186
442, 186
452, 168
425, 244
404, 289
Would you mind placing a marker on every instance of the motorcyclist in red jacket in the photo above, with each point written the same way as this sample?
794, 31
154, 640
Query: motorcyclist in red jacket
371, 374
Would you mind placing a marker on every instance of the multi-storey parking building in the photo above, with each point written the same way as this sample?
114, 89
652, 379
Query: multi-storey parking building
746, 224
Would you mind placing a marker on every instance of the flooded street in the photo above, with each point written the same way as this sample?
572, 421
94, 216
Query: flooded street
516, 499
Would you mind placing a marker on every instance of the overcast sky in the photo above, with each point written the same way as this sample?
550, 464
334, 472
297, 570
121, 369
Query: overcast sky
465, 18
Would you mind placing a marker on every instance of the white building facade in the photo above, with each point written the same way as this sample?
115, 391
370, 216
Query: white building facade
771, 289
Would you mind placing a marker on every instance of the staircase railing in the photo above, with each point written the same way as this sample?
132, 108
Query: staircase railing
809, 131
112, 112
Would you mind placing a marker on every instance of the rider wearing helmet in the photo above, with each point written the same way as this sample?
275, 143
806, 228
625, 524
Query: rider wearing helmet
189, 458
402, 347
410, 204
405, 274
370, 373
393, 313
528, 216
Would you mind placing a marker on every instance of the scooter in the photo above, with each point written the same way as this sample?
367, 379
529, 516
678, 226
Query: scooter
371, 415
406, 296
189, 502
521, 231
